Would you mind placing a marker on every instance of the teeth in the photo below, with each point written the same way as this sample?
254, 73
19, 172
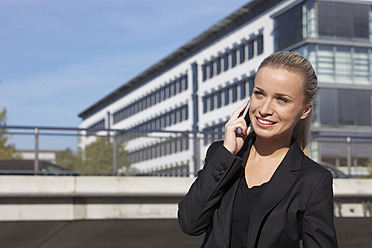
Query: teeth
265, 122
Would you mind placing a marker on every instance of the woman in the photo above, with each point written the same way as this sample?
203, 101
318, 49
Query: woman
258, 189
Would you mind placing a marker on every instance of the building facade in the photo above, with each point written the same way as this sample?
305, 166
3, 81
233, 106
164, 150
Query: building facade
198, 86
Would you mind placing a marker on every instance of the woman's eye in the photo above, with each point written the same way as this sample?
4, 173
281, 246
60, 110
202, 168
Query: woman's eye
258, 93
282, 99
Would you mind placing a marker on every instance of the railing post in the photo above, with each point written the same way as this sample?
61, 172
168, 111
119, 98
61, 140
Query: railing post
348, 144
36, 160
114, 155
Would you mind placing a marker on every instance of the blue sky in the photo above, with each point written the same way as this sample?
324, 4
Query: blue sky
58, 57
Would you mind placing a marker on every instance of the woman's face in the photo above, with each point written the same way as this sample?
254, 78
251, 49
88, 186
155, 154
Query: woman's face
277, 103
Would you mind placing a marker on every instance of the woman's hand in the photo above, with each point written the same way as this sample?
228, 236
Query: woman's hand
233, 141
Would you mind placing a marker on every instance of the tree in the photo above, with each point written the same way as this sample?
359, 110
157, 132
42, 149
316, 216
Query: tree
97, 156
69, 160
7, 151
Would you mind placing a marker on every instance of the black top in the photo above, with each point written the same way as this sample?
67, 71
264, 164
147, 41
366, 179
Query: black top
244, 203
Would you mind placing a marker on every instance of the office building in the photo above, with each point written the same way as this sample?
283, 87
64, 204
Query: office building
198, 86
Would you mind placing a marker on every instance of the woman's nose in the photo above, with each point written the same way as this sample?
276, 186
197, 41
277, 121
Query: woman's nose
266, 108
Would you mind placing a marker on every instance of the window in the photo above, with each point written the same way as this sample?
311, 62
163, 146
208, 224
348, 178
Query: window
211, 102
242, 90
250, 49
233, 58
343, 60
260, 45
334, 110
235, 93
360, 65
218, 66
211, 71
205, 105
226, 62
219, 99
98, 125
184, 83
242, 54
343, 20
288, 28
326, 63
227, 96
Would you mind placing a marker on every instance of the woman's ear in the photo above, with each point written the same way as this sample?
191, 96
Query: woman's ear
306, 111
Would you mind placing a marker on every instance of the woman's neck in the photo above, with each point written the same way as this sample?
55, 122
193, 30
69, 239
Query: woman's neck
270, 147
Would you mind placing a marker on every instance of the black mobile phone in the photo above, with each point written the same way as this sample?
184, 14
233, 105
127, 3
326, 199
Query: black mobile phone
246, 117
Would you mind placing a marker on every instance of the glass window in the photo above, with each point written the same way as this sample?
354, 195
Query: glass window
235, 93
233, 58
288, 28
325, 63
219, 99
260, 45
204, 69
242, 90
226, 62
361, 65
343, 64
250, 49
211, 69
345, 107
185, 85
343, 20
218, 66
211, 102
152, 100
205, 107
242, 54
227, 96
362, 107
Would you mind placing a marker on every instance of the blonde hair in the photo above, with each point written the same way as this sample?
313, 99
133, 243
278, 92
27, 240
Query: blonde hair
293, 62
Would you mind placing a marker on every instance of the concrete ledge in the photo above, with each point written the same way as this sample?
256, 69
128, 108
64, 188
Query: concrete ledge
86, 198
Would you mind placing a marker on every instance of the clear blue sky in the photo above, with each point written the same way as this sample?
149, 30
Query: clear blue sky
58, 57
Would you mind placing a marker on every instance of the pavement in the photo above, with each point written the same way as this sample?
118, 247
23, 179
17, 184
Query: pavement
149, 233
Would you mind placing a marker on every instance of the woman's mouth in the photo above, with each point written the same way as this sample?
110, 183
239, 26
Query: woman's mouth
265, 122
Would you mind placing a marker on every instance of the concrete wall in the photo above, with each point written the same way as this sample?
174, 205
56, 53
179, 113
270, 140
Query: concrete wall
84, 198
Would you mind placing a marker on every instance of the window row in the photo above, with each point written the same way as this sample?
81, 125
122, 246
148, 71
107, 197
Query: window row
98, 125
213, 133
239, 54
340, 64
170, 118
167, 91
325, 19
168, 147
230, 94
344, 107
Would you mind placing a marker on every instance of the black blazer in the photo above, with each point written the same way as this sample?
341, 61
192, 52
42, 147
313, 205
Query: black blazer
296, 204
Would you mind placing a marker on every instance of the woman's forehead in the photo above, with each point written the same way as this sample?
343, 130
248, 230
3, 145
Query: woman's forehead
279, 79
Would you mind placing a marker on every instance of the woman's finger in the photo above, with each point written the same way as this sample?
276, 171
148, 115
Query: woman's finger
239, 111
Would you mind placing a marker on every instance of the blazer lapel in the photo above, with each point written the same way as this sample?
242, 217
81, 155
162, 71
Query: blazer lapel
279, 185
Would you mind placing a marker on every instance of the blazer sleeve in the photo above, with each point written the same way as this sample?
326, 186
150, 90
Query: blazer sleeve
195, 211
318, 224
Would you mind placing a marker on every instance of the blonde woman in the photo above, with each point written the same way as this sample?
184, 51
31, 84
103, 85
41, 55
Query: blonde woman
259, 189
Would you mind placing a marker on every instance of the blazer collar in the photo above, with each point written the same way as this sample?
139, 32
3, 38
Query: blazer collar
279, 185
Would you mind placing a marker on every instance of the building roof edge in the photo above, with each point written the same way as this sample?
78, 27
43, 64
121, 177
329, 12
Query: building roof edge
234, 20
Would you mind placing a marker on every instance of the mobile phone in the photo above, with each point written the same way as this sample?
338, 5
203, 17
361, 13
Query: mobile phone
246, 117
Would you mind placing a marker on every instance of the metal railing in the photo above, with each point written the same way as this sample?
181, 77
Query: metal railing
78, 151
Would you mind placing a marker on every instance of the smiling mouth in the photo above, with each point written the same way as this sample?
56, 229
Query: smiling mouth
265, 122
